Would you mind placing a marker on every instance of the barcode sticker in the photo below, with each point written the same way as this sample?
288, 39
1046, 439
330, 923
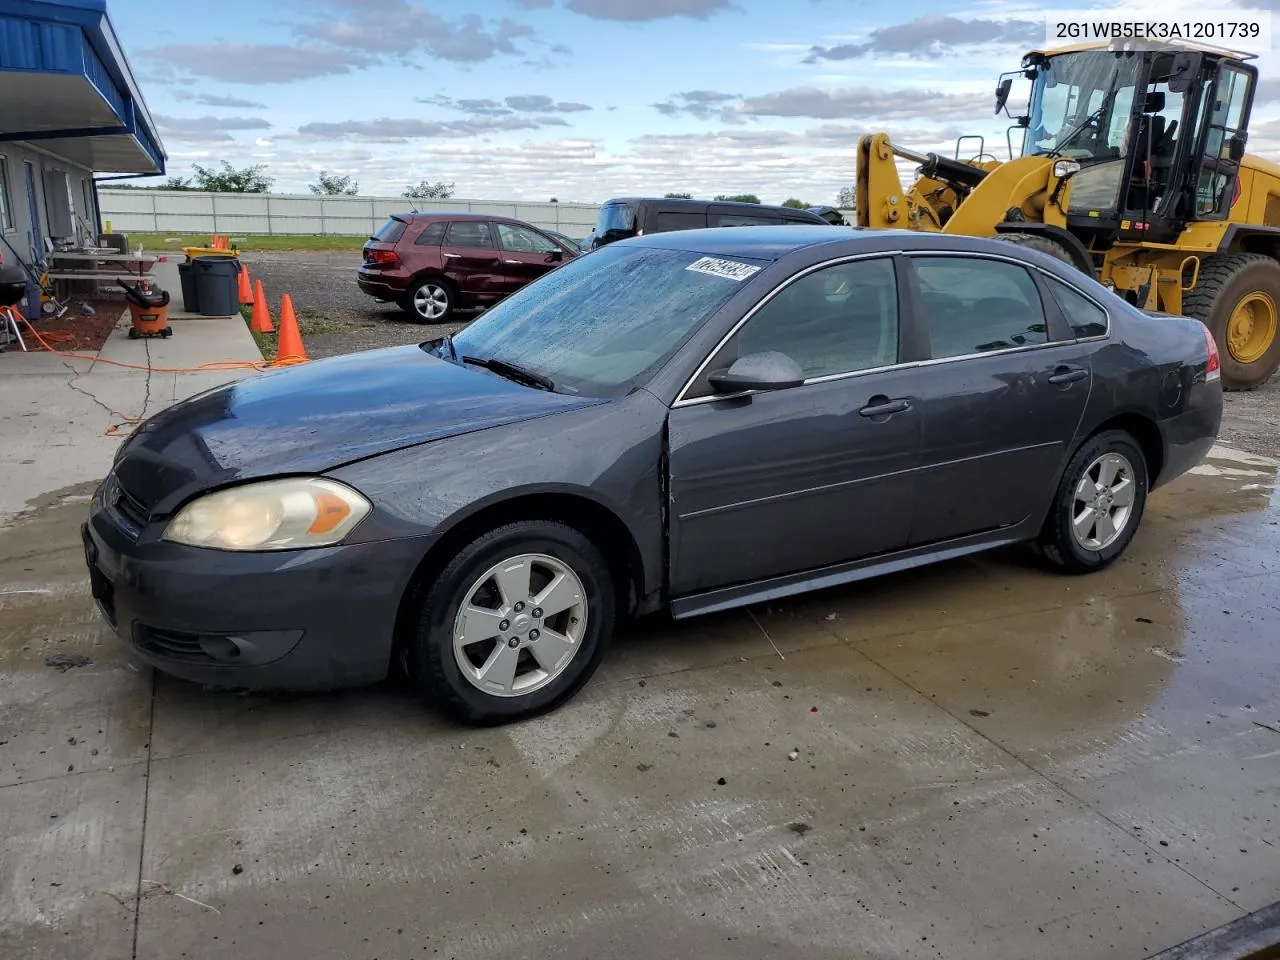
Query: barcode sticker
729, 269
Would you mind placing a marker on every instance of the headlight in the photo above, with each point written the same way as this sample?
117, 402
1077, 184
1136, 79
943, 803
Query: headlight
1065, 168
283, 514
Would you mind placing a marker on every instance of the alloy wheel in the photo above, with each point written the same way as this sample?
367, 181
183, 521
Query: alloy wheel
1103, 501
431, 301
520, 625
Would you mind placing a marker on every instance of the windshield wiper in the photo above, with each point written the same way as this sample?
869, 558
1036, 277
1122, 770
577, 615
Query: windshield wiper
447, 341
512, 372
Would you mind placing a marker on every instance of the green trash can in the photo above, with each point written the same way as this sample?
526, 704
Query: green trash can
217, 285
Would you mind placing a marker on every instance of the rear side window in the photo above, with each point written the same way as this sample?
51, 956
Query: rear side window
391, 231
976, 306
738, 220
471, 233
668, 220
1087, 319
432, 234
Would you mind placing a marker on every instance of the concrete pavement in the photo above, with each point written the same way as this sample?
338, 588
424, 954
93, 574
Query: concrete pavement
991, 760
53, 403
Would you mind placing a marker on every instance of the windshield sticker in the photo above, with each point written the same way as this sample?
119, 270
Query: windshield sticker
729, 269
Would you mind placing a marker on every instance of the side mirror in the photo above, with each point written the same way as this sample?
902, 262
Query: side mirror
758, 371
1154, 102
1002, 93
555, 256
1235, 149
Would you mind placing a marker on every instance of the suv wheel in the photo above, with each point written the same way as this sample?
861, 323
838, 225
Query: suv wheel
430, 301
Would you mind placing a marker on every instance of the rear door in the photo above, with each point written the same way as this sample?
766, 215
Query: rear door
778, 482
526, 255
470, 258
1001, 398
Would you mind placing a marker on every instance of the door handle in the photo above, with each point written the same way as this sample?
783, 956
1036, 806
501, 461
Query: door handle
454, 256
517, 262
883, 407
1068, 375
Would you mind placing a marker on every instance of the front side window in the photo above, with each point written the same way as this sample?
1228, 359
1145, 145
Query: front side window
471, 233
840, 319
520, 240
973, 305
1087, 319
601, 323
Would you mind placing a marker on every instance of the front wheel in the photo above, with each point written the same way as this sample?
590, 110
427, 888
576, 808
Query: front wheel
1098, 505
515, 624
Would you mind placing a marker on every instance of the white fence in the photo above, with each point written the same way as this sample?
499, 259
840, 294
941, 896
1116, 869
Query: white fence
187, 211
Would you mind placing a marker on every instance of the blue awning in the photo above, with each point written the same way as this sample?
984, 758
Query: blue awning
68, 87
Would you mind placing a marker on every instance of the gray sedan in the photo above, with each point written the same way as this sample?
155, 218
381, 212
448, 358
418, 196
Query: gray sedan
688, 421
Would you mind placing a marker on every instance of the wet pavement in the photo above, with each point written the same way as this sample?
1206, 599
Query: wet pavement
976, 759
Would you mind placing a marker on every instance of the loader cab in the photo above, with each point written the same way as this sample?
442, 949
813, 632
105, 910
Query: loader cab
1158, 133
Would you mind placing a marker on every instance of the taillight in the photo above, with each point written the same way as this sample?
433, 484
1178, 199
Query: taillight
381, 256
1212, 366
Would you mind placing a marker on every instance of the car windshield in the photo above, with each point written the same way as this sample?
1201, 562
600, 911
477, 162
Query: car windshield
598, 324
615, 219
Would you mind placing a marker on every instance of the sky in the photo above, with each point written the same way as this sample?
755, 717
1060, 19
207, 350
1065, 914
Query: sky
582, 100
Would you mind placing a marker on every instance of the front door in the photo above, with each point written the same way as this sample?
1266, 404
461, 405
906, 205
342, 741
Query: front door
1000, 400
470, 257
526, 255
778, 482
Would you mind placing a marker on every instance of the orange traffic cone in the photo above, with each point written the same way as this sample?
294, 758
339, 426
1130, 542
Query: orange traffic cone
261, 322
246, 292
289, 346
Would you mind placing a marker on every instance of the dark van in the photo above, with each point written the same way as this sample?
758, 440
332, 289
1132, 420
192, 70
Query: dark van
636, 216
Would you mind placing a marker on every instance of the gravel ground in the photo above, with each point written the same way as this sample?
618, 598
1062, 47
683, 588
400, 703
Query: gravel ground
335, 318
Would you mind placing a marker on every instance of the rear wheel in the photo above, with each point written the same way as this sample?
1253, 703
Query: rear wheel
514, 625
430, 301
1098, 505
1238, 298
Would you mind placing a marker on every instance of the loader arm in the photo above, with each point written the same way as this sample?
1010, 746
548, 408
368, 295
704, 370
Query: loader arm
952, 196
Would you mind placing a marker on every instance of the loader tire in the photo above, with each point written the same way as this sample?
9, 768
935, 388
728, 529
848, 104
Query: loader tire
1037, 242
1238, 298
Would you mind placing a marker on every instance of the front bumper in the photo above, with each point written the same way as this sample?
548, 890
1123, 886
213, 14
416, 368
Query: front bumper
299, 620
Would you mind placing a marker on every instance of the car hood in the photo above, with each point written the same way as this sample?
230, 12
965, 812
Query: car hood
315, 417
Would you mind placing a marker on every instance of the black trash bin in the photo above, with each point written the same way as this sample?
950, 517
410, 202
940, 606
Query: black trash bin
217, 285
187, 274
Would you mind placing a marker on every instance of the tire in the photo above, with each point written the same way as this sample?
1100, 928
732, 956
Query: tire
448, 677
1036, 242
432, 300
1059, 543
1226, 280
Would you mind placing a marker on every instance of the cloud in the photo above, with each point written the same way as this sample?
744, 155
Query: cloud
703, 104
206, 130
258, 62
213, 100
521, 103
388, 130
856, 103
933, 36
364, 26
649, 9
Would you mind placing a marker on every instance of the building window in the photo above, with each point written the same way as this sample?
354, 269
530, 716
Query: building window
6, 206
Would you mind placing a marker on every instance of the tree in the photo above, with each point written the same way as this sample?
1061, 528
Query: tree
331, 185
677, 196
844, 199
429, 191
796, 204
174, 183
739, 198
231, 180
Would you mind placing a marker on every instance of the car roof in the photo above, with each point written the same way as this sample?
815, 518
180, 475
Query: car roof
773, 243
450, 215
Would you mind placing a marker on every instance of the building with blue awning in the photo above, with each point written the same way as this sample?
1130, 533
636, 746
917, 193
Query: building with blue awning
70, 109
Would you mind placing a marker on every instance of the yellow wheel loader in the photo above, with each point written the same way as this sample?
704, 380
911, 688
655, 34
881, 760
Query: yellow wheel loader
1133, 168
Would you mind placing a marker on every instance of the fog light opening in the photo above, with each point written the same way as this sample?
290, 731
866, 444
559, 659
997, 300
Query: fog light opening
226, 649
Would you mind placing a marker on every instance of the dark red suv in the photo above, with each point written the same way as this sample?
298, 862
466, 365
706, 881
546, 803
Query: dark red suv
434, 263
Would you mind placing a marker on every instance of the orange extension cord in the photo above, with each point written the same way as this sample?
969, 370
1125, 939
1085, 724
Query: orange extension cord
127, 421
